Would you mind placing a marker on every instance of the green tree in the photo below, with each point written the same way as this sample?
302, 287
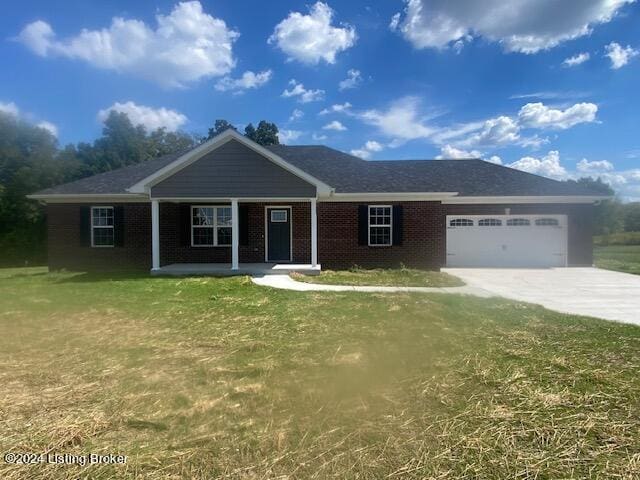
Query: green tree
219, 126
632, 217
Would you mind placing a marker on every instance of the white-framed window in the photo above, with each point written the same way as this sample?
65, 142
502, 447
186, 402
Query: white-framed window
518, 222
380, 225
279, 216
461, 222
102, 234
547, 222
490, 222
210, 226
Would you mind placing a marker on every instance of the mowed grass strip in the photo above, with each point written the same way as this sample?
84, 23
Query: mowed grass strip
218, 378
622, 258
402, 277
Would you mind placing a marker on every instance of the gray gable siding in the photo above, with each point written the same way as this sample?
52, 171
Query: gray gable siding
233, 170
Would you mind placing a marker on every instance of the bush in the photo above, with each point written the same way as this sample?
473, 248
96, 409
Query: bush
623, 238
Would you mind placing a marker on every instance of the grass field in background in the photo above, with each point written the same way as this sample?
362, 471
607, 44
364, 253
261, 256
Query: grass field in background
218, 378
622, 258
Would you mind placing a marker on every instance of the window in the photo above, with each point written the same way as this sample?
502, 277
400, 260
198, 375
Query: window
461, 222
278, 216
379, 225
547, 222
518, 222
102, 226
210, 226
490, 222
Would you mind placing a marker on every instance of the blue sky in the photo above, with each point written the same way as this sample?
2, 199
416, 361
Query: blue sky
546, 86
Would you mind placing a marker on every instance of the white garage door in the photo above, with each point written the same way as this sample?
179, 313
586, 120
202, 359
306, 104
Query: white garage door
506, 240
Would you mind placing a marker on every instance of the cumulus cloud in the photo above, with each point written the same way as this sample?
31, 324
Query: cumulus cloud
149, 117
186, 45
49, 127
304, 95
449, 152
288, 136
296, 115
10, 108
547, 166
538, 115
365, 152
336, 108
318, 137
526, 26
247, 81
354, 78
619, 55
596, 166
335, 125
576, 59
312, 38
402, 120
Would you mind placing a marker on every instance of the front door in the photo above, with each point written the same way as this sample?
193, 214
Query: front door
278, 234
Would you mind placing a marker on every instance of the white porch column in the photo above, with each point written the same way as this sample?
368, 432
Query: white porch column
235, 234
155, 235
314, 233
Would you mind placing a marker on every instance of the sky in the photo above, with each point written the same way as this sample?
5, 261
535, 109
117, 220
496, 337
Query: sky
546, 86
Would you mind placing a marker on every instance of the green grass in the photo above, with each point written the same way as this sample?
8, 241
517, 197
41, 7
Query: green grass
623, 258
403, 277
218, 378
621, 238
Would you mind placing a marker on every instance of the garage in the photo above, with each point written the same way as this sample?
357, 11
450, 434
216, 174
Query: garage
507, 241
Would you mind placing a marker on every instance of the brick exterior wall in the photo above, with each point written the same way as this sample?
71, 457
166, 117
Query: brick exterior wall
423, 246
65, 249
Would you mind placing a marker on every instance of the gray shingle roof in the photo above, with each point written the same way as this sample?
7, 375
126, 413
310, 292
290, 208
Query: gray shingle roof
349, 174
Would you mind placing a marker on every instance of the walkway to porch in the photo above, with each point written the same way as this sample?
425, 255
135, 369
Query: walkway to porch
224, 269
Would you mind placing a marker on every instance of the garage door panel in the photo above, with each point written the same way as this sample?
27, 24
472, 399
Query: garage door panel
506, 245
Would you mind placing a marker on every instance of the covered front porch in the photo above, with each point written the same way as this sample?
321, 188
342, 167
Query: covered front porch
223, 269
230, 236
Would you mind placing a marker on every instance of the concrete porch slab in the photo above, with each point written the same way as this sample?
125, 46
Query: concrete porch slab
224, 269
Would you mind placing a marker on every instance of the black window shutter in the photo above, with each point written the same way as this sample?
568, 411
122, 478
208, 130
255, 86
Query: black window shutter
85, 226
363, 225
397, 225
118, 226
243, 224
185, 225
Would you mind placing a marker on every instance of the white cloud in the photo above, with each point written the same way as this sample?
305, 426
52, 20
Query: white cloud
494, 159
337, 108
319, 137
576, 59
352, 81
526, 26
247, 81
335, 125
187, 45
395, 22
370, 147
311, 38
449, 152
401, 120
296, 115
304, 95
596, 166
373, 146
538, 115
361, 152
288, 136
149, 117
618, 55
49, 127
10, 108
548, 166
497, 131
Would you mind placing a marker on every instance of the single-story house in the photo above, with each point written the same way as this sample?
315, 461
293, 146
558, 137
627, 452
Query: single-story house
231, 201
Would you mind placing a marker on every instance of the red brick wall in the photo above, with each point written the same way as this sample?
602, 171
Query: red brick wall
424, 236
424, 233
65, 250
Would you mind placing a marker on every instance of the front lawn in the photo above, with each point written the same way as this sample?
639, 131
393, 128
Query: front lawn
403, 277
206, 378
623, 258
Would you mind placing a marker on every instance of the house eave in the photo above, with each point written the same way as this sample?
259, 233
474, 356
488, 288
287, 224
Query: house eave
89, 197
585, 199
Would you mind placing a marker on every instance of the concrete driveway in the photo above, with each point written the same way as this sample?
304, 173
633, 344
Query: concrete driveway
582, 291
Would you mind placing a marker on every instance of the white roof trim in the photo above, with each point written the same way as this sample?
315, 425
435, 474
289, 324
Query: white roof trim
144, 185
527, 199
389, 196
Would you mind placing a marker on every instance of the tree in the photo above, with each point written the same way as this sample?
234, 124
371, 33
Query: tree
632, 217
265, 134
219, 126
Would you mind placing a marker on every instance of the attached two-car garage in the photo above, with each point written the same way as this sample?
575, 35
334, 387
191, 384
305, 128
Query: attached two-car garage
507, 240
